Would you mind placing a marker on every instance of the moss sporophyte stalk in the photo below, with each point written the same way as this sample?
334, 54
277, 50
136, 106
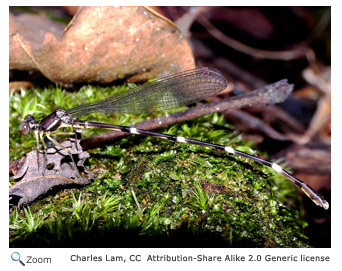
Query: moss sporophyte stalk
156, 191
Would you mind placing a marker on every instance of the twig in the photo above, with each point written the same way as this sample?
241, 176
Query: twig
270, 94
259, 53
273, 112
256, 124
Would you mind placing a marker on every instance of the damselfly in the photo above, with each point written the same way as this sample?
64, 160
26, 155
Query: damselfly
166, 93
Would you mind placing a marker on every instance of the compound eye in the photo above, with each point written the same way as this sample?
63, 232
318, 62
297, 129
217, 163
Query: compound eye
29, 119
24, 128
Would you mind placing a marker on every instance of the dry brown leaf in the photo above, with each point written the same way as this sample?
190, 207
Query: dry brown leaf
311, 162
100, 44
35, 178
320, 122
18, 85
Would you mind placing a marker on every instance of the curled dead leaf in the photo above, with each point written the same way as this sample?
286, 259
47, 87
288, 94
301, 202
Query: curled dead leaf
100, 44
37, 175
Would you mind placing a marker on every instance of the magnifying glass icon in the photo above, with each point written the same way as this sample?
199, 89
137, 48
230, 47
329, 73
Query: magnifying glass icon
16, 257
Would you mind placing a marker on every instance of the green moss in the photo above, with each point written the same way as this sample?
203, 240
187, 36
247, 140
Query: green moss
153, 192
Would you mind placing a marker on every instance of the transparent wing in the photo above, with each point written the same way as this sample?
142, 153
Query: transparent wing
162, 94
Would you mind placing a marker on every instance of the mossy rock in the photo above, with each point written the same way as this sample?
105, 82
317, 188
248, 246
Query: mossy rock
150, 192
